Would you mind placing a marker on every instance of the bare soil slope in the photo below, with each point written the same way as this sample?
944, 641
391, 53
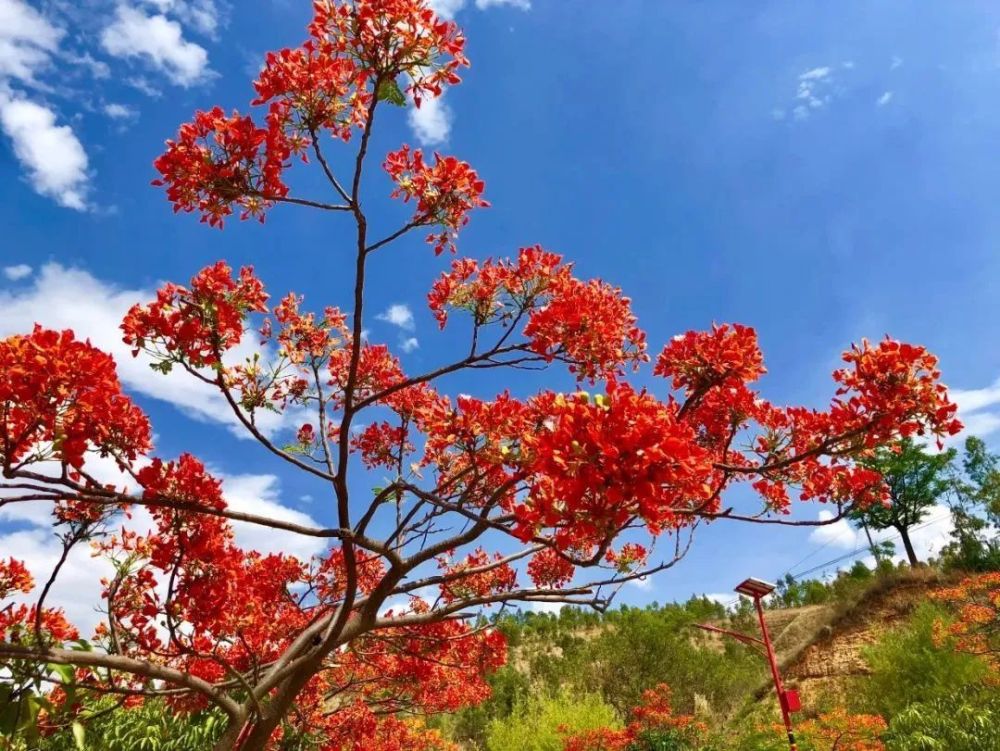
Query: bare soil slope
820, 647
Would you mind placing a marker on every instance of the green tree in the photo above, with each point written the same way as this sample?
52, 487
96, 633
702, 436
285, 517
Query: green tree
917, 480
975, 505
541, 722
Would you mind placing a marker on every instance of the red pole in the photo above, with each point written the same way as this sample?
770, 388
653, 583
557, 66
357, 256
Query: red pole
773, 662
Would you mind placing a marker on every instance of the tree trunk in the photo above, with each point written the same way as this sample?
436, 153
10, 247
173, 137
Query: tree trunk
256, 739
871, 544
911, 554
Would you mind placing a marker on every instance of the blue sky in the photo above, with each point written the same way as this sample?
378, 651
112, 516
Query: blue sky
820, 171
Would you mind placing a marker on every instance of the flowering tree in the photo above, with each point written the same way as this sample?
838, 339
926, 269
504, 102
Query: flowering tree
976, 628
653, 725
557, 498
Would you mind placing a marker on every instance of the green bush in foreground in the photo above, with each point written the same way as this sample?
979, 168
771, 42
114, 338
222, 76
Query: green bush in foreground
539, 723
957, 723
909, 666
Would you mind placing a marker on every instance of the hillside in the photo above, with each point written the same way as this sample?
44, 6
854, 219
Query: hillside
820, 646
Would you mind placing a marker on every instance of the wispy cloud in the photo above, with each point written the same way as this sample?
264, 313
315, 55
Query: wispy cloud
27, 41
815, 89
120, 111
978, 409
398, 315
17, 272
159, 41
448, 8
431, 121
884, 99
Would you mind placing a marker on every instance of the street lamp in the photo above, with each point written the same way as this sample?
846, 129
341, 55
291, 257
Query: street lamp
757, 590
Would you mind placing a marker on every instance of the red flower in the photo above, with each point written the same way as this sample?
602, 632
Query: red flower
196, 325
61, 398
445, 193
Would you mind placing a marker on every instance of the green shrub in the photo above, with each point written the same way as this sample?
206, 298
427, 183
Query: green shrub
959, 723
536, 722
150, 727
909, 666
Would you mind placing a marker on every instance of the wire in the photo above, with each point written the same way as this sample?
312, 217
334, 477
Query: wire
861, 551
841, 558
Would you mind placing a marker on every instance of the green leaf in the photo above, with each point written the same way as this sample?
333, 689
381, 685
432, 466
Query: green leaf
80, 736
389, 91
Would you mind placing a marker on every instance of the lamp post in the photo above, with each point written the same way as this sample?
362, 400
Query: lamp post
757, 590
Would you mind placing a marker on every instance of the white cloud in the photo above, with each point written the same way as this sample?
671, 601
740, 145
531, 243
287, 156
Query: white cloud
398, 315
160, 41
815, 89
119, 111
27, 41
18, 272
978, 409
67, 298
258, 494
522, 4
448, 8
815, 74
726, 599
644, 583
884, 99
431, 121
839, 534
410, 344
896, 62
202, 15
974, 400
52, 154
78, 588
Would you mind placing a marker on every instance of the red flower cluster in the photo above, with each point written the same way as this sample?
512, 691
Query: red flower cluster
699, 360
595, 464
218, 162
184, 481
17, 622
653, 714
892, 389
589, 325
356, 53
60, 398
318, 89
841, 731
976, 602
14, 577
382, 445
195, 326
630, 557
302, 337
548, 569
390, 38
476, 576
445, 192
330, 579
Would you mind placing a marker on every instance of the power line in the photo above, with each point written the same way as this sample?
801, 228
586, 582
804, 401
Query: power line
862, 551
845, 557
